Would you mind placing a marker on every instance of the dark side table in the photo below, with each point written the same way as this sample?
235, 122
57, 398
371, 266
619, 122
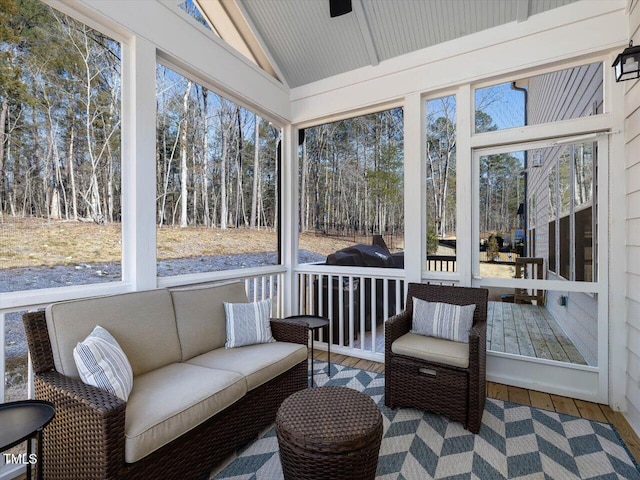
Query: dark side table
315, 323
25, 420
329, 433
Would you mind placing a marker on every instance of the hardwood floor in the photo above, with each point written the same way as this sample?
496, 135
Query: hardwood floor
556, 403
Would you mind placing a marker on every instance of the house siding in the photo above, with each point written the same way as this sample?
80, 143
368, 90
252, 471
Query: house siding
632, 139
570, 93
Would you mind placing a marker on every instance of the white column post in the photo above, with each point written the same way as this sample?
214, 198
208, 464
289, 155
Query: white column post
616, 342
289, 227
464, 182
415, 249
138, 164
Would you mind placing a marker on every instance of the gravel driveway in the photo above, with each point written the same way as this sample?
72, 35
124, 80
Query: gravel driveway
32, 278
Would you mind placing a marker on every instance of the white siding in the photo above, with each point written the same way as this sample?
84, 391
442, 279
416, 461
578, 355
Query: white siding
632, 129
578, 319
569, 93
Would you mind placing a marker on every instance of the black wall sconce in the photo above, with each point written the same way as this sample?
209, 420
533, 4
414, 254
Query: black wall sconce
627, 64
339, 7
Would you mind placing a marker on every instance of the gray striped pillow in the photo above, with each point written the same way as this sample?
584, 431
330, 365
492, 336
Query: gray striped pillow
442, 320
248, 323
102, 363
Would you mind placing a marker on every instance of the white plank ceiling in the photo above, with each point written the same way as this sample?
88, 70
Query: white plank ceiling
307, 45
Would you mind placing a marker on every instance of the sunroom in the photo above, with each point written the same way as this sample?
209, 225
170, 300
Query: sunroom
328, 159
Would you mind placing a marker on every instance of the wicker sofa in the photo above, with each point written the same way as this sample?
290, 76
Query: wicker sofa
193, 401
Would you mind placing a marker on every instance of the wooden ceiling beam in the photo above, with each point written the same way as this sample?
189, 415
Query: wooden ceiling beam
231, 22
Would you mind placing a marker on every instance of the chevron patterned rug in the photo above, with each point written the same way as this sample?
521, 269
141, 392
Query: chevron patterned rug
515, 442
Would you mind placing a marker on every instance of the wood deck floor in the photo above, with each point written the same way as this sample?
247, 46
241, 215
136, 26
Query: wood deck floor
556, 403
528, 330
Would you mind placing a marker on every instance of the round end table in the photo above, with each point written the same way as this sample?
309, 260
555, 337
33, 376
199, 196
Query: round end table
329, 432
25, 420
315, 323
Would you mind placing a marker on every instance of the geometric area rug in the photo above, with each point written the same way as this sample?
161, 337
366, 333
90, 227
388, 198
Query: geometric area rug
515, 442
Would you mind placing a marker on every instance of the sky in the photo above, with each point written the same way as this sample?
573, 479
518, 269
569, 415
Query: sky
503, 104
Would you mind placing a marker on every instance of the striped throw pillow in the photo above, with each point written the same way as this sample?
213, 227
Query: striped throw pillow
248, 323
102, 363
442, 320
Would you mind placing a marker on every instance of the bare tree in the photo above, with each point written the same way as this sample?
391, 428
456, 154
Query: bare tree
441, 151
256, 171
184, 170
205, 157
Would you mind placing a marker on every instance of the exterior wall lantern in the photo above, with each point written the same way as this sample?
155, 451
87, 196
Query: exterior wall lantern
627, 64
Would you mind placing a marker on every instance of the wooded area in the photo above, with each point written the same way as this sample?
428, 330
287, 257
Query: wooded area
441, 170
60, 133
502, 187
60, 94
501, 183
217, 162
351, 176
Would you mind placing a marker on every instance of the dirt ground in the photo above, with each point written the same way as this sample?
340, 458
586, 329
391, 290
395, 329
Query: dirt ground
37, 242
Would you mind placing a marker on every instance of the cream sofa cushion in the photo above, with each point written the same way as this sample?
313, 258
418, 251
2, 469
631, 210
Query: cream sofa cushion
167, 402
200, 316
143, 323
432, 349
258, 363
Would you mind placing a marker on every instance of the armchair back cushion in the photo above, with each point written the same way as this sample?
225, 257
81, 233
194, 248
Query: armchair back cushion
200, 316
442, 320
449, 294
143, 323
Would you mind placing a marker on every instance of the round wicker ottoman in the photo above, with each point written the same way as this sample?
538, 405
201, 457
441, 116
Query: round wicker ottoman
329, 433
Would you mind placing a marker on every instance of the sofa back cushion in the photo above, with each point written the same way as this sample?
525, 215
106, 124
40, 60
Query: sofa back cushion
200, 316
143, 323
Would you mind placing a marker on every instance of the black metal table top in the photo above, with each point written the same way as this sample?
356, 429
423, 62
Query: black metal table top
20, 420
312, 321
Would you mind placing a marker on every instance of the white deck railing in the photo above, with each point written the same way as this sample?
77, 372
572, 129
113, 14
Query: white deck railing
267, 286
357, 301
259, 284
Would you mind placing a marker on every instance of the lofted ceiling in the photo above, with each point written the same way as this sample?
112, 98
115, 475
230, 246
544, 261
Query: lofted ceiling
301, 43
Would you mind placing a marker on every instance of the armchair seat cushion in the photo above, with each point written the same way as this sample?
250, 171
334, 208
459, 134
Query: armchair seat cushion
259, 363
167, 402
432, 349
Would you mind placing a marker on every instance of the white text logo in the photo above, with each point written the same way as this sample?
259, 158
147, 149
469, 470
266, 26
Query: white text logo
20, 459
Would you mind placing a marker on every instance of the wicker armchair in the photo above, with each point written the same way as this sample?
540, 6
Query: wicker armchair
453, 391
